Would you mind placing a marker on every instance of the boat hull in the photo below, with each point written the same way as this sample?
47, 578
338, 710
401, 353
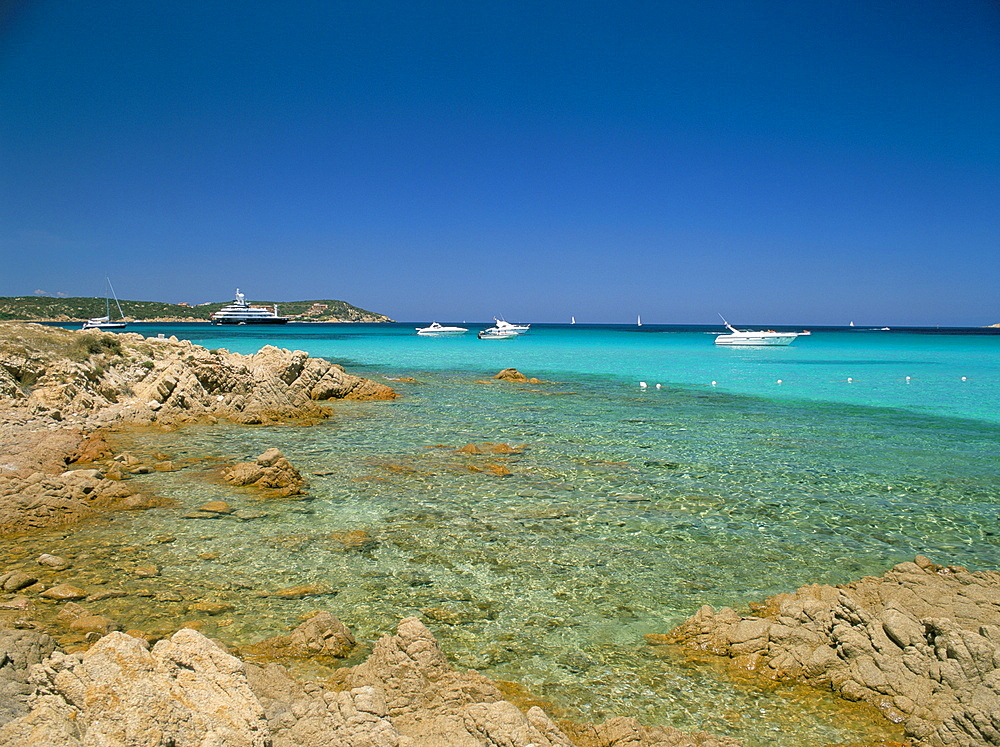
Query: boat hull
491, 335
763, 339
275, 320
439, 330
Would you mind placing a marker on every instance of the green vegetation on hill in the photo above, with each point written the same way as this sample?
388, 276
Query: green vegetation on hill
45, 308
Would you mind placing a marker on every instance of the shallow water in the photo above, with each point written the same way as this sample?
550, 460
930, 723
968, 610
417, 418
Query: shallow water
626, 510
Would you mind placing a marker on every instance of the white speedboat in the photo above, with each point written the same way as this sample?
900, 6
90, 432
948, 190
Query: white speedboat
241, 312
105, 322
517, 329
439, 330
497, 333
755, 337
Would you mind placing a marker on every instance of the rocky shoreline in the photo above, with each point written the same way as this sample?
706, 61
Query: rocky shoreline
921, 643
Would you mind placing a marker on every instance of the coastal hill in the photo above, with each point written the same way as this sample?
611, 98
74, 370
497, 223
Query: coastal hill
78, 309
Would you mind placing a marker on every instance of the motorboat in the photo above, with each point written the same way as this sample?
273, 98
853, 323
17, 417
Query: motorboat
439, 330
517, 329
755, 337
105, 322
497, 333
241, 312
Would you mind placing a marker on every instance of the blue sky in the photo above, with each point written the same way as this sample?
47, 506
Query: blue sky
779, 162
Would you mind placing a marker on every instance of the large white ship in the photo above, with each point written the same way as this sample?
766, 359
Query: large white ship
241, 312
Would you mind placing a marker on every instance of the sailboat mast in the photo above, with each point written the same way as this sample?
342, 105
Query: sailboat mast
108, 302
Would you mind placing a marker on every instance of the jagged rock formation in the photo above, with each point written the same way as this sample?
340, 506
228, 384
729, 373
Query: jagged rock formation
19, 650
921, 643
127, 378
183, 691
58, 386
270, 471
187, 692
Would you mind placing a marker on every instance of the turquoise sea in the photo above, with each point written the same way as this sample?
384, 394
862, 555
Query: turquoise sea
732, 475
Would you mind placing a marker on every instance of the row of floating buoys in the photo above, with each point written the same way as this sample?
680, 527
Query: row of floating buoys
850, 380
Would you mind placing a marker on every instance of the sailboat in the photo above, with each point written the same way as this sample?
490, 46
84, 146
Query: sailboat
104, 322
572, 320
638, 321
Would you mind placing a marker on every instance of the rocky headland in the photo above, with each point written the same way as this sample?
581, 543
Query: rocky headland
61, 389
921, 642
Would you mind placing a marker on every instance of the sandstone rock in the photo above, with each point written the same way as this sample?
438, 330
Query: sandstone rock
127, 379
269, 471
19, 650
210, 608
626, 732
53, 561
355, 539
64, 593
322, 634
305, 590
185, 691
215, 507
921, 643
98, 624
402, 666
16, 580
146, 570
511, 374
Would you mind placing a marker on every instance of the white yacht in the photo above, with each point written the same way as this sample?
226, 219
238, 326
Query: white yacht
439, 330
241, 312
517, 329
104, 322
755, 337
497, 333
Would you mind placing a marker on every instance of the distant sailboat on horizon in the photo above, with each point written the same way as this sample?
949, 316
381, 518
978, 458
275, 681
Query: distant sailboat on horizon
638, 321
572, 320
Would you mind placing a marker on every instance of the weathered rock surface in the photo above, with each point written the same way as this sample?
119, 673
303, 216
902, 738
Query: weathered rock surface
57, 387
187, 692
512, 374
19, 650
271, 470
125, 377
921, 643
321, 636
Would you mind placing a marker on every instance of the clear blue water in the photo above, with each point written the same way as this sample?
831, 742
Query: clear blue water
627, 509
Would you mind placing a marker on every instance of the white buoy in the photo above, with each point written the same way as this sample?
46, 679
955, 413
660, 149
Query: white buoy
849, 379
907, 379
659, 386
713, 383
964, 379
779, 381
642, 384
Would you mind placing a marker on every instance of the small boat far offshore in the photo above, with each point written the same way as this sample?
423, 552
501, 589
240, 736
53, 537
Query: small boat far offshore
439, 330
755, 337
